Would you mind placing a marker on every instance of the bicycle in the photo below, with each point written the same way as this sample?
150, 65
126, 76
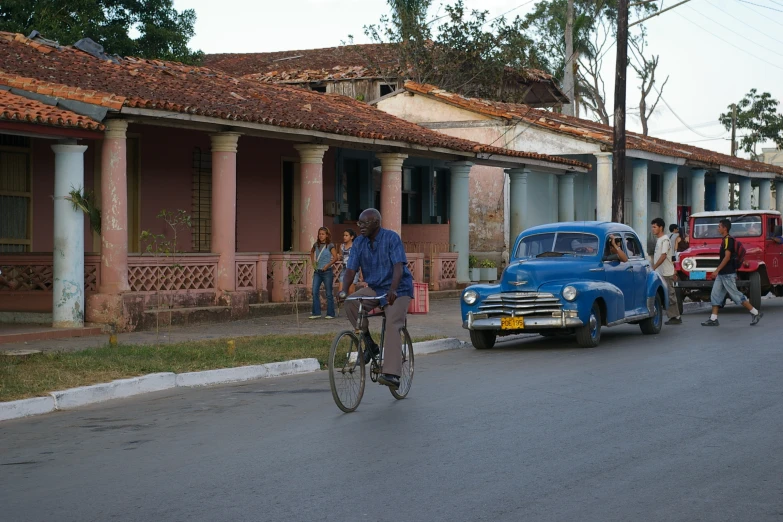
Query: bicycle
346, 360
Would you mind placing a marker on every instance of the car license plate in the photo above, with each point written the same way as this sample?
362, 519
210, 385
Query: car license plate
512, 323
698, 276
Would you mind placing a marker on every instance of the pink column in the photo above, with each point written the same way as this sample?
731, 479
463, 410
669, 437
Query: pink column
224, 207
311, 205
114, 210
391, 190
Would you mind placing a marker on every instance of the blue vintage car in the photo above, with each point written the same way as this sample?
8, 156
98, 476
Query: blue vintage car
564, 279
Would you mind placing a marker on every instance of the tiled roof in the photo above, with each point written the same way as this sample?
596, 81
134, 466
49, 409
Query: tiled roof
347, 62
152, 84
23, 110
590, 130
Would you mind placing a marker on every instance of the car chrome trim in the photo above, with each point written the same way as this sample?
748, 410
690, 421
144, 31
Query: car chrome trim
515, 304
532, 323
596, 270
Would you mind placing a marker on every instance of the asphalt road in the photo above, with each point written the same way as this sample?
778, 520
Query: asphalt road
687, 425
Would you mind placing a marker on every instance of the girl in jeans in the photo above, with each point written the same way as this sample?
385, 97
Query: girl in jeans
323, 256
345, 250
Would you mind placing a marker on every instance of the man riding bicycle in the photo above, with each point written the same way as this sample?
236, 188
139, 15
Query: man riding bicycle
380, 254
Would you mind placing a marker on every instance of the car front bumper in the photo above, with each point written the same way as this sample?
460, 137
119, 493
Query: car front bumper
706, 283
564, 319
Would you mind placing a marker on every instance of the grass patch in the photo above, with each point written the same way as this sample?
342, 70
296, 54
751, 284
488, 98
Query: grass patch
33, 376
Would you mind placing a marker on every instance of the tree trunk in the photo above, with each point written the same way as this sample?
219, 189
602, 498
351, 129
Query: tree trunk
618, 148
568, 73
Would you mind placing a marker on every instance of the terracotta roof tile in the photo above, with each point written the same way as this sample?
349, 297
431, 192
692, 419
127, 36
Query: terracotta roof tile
169, 86
591, 130
24, 110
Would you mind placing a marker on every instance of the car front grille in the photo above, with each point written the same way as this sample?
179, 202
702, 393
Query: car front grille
520, 304
706, 263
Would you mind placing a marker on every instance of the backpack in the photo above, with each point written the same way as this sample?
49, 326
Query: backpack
739, 254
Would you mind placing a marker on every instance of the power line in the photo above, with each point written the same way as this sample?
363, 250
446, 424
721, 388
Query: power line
735, 32
735, 19
762, 14
510, 10
764, 6
731, 44
697, 126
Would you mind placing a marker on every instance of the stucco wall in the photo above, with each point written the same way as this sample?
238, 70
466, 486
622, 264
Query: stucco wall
43, 188
422, 109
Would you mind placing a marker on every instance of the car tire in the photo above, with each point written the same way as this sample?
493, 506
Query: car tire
589, 335
680, 299
652, 325
483, 339
755, 290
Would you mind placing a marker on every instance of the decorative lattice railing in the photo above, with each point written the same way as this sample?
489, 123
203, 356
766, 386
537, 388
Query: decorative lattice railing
443, 270
251, 273
177, 273
34, 272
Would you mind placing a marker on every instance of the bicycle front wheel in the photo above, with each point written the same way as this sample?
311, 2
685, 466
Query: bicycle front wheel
406, 377
346, 371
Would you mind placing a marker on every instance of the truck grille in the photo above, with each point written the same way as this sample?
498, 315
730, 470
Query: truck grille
520, 304
706, 263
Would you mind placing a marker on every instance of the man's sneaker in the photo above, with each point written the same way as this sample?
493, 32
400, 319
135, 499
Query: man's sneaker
392, 381
710, 322
329, 317
314, 317
371, 348
674, 320
756, 319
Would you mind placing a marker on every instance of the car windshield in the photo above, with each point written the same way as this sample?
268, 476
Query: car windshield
557, 244
741, 226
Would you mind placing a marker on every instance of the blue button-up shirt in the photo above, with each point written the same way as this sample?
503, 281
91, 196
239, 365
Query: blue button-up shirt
377, 259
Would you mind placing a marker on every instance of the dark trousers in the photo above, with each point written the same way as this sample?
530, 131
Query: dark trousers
327, 278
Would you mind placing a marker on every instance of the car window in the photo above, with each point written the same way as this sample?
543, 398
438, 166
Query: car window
741, 226
608, 255
632, 246
772, 227
574, 243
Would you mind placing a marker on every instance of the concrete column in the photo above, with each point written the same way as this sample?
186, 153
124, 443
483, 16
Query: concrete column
639, 220
779, 196
565, 207
518, 202
311, 193
68, 269
459, 211
669, 202
746, 192
697, 190
391, 190
722, 190
603, 189
765, 194
114, 209
224, 207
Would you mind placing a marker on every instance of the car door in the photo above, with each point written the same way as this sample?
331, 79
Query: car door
773, 252
621, 275
639, 266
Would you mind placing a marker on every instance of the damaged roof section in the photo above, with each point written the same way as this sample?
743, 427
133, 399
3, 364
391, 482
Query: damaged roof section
70, 74
590, 130
18, 109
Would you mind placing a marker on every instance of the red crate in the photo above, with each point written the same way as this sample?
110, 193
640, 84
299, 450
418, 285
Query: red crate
420, 304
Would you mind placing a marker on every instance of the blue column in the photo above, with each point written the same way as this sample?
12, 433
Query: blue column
722, 191
459, 222
669, 199
697, 190
639, 220
518, 198
765, 194
565, 207
68, 269
746, 190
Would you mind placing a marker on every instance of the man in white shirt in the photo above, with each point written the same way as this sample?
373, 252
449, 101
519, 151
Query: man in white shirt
662, 263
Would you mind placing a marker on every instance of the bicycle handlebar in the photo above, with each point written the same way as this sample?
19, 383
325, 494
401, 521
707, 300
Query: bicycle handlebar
365, 297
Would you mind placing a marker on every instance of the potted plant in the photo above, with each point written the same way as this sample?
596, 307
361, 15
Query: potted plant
475, 271
489, 270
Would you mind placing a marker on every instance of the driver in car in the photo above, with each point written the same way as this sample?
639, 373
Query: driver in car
614, 249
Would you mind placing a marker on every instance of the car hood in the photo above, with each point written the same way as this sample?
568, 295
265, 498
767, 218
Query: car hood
529, 275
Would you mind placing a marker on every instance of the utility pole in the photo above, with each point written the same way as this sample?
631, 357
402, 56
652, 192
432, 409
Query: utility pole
618, 143
733, 149
568, 74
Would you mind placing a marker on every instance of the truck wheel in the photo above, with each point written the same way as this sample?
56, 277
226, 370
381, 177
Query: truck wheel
755, 290
483, 339
589, 335
652, 325
680, 297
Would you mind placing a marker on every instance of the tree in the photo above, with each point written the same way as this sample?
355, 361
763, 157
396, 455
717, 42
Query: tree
645, 68
461, 55
163, 33
757, 115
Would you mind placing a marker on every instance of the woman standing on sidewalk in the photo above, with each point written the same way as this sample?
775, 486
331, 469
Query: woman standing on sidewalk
323, 256
345, 250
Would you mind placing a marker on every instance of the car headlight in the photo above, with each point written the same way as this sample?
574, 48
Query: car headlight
688, 264
569, 293
470, 297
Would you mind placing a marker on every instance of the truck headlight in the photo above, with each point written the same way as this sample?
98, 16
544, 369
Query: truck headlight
569, 293
470, 297
688, 264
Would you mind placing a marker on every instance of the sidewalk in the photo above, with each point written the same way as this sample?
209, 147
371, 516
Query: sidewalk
443, 320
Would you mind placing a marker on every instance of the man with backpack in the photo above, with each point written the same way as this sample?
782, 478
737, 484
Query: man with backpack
726, 278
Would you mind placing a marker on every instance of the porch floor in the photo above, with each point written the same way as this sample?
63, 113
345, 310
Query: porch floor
23, 333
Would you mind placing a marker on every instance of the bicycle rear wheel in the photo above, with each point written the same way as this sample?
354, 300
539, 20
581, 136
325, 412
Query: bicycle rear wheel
406, 379
346, 371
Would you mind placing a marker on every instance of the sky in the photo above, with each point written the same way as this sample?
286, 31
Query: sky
714, 51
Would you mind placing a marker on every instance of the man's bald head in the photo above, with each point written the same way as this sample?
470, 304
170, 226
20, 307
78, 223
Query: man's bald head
369, 223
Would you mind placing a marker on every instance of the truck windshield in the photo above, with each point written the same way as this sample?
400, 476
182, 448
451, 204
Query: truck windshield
554, 243
741, 226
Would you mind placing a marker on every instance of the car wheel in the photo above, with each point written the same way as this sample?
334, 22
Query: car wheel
755, 290
589, 335
483, 339
680, 298
652, 325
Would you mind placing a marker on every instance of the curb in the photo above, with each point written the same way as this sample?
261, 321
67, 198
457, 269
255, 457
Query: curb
246, 373
438, 345
119, 389
26, 407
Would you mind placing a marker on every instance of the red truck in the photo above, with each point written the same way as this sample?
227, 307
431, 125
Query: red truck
760, 273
